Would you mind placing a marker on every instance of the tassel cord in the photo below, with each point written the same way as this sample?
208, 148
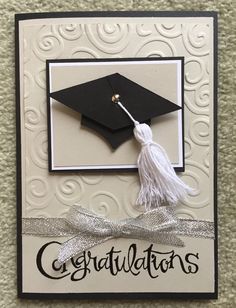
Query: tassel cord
128, 113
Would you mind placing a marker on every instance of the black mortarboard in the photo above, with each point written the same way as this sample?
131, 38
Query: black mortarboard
93, 100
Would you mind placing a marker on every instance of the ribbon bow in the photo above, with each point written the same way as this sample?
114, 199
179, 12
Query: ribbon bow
153, 226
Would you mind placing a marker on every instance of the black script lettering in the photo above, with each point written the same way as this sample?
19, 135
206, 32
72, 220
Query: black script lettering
132, 256
132, 252
39, 257
186, 269
114, 262
167, 264
118, 267
154, 263
103, 263
132, 262
111, 262
59, 267
81, 263
194, 268
139, 263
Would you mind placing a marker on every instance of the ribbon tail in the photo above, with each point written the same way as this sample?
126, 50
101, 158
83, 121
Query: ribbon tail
79, 244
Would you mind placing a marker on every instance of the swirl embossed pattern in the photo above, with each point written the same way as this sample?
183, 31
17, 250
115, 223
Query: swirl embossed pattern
113, 195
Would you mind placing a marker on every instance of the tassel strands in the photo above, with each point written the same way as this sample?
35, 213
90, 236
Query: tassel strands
159, 182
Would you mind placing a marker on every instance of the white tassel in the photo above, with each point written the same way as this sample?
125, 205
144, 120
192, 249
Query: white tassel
159, 182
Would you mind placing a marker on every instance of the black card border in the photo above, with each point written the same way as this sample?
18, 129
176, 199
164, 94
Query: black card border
111, 296
111, 169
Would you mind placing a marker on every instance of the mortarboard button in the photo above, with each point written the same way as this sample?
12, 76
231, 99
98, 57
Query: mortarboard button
115, 98
94, 100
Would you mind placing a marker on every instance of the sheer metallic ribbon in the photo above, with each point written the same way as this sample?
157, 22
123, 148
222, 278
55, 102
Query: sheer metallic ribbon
86, 229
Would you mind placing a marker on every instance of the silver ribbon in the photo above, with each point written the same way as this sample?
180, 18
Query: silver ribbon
160, 225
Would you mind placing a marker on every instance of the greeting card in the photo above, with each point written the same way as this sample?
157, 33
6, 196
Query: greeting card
116, 135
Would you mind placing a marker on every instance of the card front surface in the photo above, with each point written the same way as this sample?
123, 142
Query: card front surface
128, 267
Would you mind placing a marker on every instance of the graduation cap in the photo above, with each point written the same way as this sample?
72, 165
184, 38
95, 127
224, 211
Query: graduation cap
99, 102
93, 100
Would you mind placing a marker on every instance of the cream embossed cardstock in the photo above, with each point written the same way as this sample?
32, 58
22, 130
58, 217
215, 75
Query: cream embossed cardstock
113, 195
